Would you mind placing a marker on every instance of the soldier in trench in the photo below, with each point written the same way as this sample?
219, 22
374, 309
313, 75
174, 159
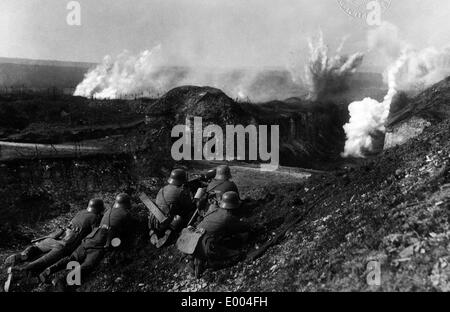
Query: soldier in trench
224, 235
113, 232
48, 250
216, 188
175, 203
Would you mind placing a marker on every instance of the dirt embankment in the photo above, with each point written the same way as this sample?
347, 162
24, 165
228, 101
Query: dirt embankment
393, 209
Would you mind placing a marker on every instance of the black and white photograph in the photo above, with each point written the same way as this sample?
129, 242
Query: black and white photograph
215, 152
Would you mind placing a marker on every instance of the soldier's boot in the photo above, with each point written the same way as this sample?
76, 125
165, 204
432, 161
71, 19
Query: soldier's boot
14, 274
161, 241
9, 280
58, 266
13, 260
25, 255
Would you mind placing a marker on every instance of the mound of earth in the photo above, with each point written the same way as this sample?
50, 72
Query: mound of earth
310, 133
211, 104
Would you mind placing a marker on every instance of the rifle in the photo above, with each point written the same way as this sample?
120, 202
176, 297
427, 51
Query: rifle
54, 235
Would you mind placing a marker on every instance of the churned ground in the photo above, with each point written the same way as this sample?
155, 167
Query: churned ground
393, 208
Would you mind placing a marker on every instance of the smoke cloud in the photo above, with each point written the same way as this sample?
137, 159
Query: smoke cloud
326, 74
127, 74
149, 74
367, 117
412, 71
422, 68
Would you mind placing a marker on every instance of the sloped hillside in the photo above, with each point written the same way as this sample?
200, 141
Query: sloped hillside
409, 117
393, 209
432, 105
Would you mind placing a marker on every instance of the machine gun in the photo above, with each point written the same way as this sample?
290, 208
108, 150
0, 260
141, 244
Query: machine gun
198, 190
200, 181
194, 185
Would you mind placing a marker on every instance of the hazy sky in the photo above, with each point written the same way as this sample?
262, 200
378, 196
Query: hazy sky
205, 32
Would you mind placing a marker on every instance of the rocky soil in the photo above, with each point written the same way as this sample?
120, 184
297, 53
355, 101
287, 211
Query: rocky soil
393, 208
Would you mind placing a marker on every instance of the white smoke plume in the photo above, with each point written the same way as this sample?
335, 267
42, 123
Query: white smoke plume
327, 74
423, 67
413, 71
367, 117
149, 74
127, 74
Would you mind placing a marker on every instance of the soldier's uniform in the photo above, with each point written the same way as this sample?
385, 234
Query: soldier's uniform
221, 182
222, 186
173, 200
114, 225
216, 188
219, 225
51, 249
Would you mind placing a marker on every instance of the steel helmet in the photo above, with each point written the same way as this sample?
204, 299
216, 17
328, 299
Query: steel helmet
96, 205
210, 174
177, 177
123, 199
223, 173
230, 201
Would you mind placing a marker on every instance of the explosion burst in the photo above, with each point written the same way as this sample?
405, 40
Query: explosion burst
326, 75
